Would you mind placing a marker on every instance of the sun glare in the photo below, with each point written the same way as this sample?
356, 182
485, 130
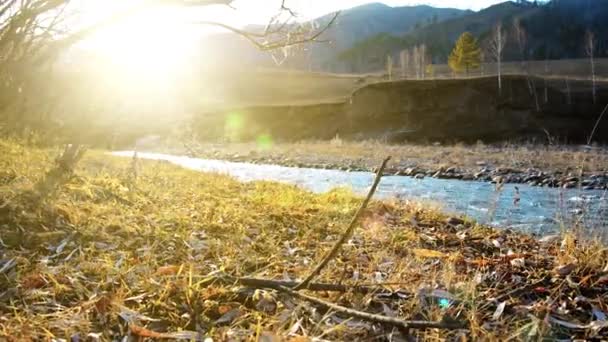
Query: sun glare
155, 41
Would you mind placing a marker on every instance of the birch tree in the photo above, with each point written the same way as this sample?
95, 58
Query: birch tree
422, 61
389, 67
590, 46
416, 61
404, 59
522, 40
496, 46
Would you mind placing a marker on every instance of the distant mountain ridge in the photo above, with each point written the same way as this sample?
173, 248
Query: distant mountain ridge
554, 30
364, 36
353, 25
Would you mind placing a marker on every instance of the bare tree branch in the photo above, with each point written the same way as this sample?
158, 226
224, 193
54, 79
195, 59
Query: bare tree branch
349, 230
496, 45
265, 42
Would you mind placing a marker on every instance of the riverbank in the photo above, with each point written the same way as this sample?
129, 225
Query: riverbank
536, 165
150, 250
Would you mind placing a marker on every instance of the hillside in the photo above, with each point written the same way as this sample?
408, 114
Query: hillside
554, 31
353, 25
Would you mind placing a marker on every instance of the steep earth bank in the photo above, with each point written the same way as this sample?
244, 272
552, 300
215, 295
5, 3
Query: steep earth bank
431, 110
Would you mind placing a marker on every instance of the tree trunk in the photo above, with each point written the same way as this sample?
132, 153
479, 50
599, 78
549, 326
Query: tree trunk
499, 77
593, 90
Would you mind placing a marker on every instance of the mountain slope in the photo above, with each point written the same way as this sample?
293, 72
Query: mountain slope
554, 30
353, 25
370, 54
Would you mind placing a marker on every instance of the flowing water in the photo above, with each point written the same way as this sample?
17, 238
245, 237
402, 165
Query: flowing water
533, 209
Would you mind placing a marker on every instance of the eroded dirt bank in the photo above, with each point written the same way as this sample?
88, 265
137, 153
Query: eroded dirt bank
433, 110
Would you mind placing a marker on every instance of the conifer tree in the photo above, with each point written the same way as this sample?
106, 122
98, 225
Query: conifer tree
466, 54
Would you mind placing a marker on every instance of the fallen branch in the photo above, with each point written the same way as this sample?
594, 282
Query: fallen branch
395, 322
348, 232
277, 284
513, 293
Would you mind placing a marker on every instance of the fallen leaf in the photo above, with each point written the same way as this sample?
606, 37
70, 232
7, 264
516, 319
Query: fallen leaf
499, 310
228, 317
168, 270
565, 270
428, 253
181, 335
518, 262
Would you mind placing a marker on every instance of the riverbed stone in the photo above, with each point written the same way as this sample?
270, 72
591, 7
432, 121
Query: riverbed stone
410, 171
454, 221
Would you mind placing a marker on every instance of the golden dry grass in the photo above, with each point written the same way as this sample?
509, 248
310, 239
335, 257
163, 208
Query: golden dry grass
112, 254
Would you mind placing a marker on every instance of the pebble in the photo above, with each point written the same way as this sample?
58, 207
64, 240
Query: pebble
529, 176
454, 221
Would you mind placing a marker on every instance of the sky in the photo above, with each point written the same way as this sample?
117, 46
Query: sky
256, 11
259, 11
165, 34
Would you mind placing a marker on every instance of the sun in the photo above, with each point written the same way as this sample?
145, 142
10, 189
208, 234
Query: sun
157, 41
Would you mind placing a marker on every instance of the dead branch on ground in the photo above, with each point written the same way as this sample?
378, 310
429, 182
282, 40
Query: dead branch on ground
348, 232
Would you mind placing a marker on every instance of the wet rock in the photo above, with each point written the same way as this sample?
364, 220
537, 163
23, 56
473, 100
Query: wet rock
503, 170
467, 177
450, 169
497, 180
410, 171
454, 221
569, 185
532, 178
419, 176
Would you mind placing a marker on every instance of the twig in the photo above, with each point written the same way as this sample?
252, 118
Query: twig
273, 44
597, 123
395, 322
277, 284
514, 292
347, 233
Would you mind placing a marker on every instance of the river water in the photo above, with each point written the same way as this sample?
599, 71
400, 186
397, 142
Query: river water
535, 210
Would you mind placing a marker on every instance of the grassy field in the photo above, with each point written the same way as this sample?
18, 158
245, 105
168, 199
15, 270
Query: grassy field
574, 69
267, 86
291, 87
149, 250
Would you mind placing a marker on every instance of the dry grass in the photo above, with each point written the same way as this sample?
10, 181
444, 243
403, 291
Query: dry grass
113, 254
